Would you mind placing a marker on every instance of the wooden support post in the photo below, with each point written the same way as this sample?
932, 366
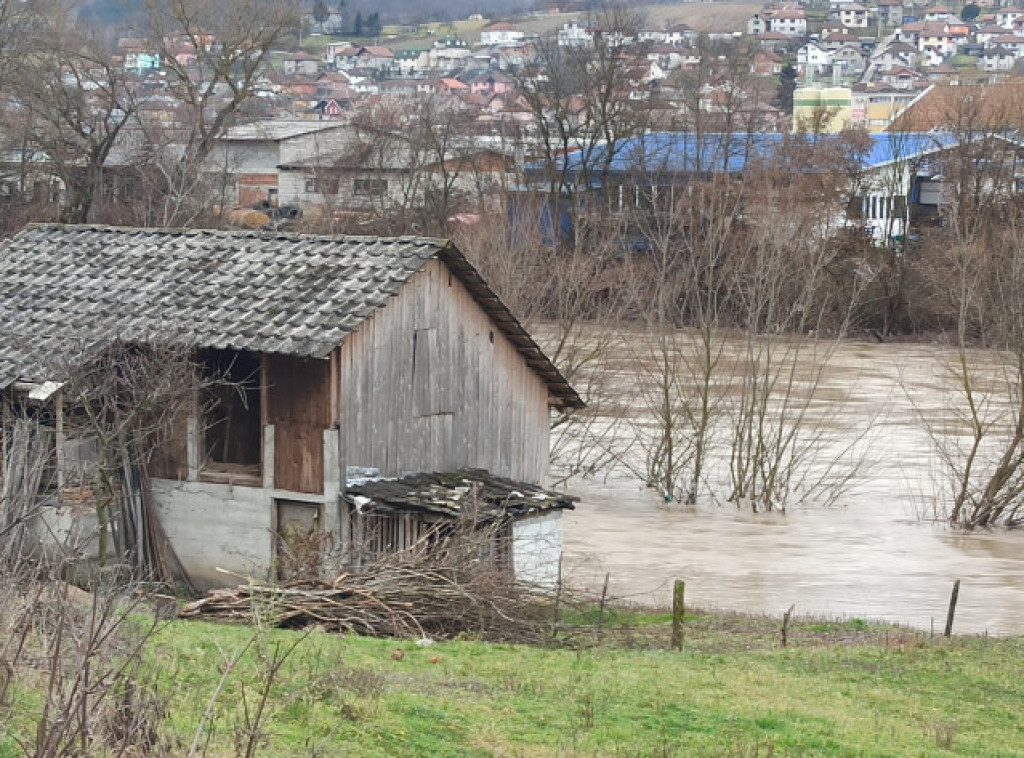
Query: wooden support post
785, 624
678, 606
600, 611
952, 608
558, 595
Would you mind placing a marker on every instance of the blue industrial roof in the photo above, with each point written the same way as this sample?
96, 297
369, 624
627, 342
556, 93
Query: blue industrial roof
675, 152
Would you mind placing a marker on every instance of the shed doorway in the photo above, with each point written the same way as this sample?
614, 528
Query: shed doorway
299, 539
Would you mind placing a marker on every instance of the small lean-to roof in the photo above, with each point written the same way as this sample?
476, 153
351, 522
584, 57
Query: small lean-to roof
451, 495
79, 288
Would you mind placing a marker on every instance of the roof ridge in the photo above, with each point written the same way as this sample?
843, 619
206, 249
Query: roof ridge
440, 242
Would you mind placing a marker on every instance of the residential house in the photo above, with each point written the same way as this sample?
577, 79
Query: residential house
935, 37
491, 83
789, 21
758, 24
766, 63
248, 157
574, 34
890, 13
448, 54
896, 54
942, 72
1009, 42
346, 51
343, 354
835, 40
501, 33
813, 60
651, 36
330, 108
853, 16
849, 59
371, 57
900, 78
939, 13
412, 61
138, 56
1008, 16
680, 34
985, 33
773, 41
336, 86
997, 59
299, 63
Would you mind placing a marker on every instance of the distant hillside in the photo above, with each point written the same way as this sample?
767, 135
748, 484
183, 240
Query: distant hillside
121, 12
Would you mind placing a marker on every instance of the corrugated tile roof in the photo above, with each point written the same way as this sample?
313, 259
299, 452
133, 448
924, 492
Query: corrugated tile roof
78, 288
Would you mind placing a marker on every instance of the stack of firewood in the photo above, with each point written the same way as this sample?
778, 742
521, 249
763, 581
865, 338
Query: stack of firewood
389, 601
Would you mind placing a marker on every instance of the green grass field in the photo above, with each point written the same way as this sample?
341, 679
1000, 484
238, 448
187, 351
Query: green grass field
703, 16
839, 689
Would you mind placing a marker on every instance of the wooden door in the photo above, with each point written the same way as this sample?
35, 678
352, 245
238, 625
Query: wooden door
299, 407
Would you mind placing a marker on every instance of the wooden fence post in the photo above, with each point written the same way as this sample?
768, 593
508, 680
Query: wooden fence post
952, 608
785, 624
678, 605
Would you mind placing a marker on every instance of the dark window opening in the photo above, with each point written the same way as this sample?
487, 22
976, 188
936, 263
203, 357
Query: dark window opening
232, 431
369, 187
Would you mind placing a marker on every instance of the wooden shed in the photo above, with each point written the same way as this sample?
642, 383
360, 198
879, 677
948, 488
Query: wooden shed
391, 355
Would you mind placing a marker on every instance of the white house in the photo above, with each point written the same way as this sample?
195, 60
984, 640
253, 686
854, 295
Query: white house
757, 24
501, 33
939, 13
574, 34
813, 59
789, 21
997, 59
1006, 17
853, 16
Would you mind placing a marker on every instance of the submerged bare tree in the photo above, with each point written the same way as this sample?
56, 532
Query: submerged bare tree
694, 234
971, 262
740, 321
981, 262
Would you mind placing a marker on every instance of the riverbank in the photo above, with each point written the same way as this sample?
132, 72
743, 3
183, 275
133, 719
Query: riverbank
837, 689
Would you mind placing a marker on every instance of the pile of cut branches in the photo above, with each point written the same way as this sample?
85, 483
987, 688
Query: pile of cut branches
434, 590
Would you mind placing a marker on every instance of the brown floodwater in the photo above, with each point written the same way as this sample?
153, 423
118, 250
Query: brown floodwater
878, 553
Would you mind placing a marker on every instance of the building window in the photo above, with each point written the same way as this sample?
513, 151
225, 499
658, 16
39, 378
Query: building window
233, 433
312, 185
369, 187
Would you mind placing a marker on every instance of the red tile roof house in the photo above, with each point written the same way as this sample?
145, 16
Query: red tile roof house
383, 354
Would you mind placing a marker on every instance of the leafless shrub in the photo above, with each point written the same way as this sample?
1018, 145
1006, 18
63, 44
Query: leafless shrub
84, 653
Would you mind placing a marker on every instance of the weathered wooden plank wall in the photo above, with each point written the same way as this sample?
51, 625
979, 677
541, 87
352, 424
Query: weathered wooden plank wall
429, 383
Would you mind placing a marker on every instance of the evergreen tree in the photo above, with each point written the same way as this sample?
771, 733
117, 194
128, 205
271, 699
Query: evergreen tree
970, 12
321, 13
357, 27
372, 26
787, 85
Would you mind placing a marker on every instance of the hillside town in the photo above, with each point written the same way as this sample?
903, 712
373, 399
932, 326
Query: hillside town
353, 124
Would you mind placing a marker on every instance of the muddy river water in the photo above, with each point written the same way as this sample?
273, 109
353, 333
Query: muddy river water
877, 554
